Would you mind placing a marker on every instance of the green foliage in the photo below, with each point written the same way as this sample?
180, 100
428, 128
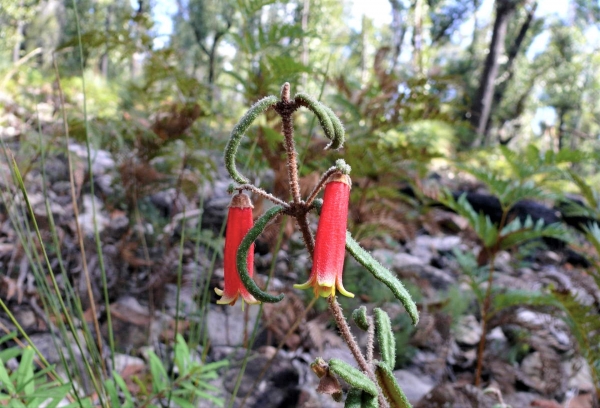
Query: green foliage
384, 275
360, 399
242, 256
393, 393
385, 337
584, 324
25, 388
525, 298
238, 132
360, 318
352, 376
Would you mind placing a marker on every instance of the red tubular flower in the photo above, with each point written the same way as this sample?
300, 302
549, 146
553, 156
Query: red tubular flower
239, 222
330, 243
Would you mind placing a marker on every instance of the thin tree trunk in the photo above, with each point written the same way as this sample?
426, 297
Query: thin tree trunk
363, 50
398, 31
304, 25
560, 131
482, 103
16, 54
514, 50
417, 37
104, 60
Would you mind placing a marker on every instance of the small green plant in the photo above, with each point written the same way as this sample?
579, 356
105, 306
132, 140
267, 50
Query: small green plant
186, 389
25, 388
495, 237
373, 383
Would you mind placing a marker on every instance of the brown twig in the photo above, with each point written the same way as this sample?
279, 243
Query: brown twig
313, 194
306, 234
285, 108
342, 324
259, 191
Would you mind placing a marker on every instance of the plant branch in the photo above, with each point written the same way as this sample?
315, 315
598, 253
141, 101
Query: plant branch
342, 324
286, 108
336, 310
370, 339
306, 234
313, 194
262, 193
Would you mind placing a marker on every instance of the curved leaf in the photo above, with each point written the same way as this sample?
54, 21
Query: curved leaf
385, 337
393, 393
360, 318
353, 376
238, 132
383, 275
242, 255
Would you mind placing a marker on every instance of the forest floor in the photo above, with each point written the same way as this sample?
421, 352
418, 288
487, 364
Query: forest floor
531, 357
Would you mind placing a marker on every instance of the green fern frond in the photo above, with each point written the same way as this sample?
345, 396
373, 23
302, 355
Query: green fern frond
517, 232
584, 323
517, 297
481, 224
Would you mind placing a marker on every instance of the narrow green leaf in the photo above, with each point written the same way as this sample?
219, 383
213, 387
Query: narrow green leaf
338, 141
111, 391
318, 109
24, 380
352, 376
214, 366
385, 337
238, 132
242, 256
182, 356
182, 402
5, 379
360, 399
384, 275
360, 318
123, 386
393, 393
160, 379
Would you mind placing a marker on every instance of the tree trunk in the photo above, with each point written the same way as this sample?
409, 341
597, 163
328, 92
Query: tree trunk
417, 37
104, 59
482, 102
16, 54
398, 31
560, 131
513, 51
304, 25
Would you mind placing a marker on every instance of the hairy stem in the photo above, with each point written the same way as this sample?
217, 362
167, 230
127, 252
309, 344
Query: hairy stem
286, 108
342, 324
370, 340
292, 163
307, 236
259, 191
313, 194
336, 310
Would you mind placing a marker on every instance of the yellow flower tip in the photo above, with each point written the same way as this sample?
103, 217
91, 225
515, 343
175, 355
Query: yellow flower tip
219, 292
345, 292
227, 301
304, 285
